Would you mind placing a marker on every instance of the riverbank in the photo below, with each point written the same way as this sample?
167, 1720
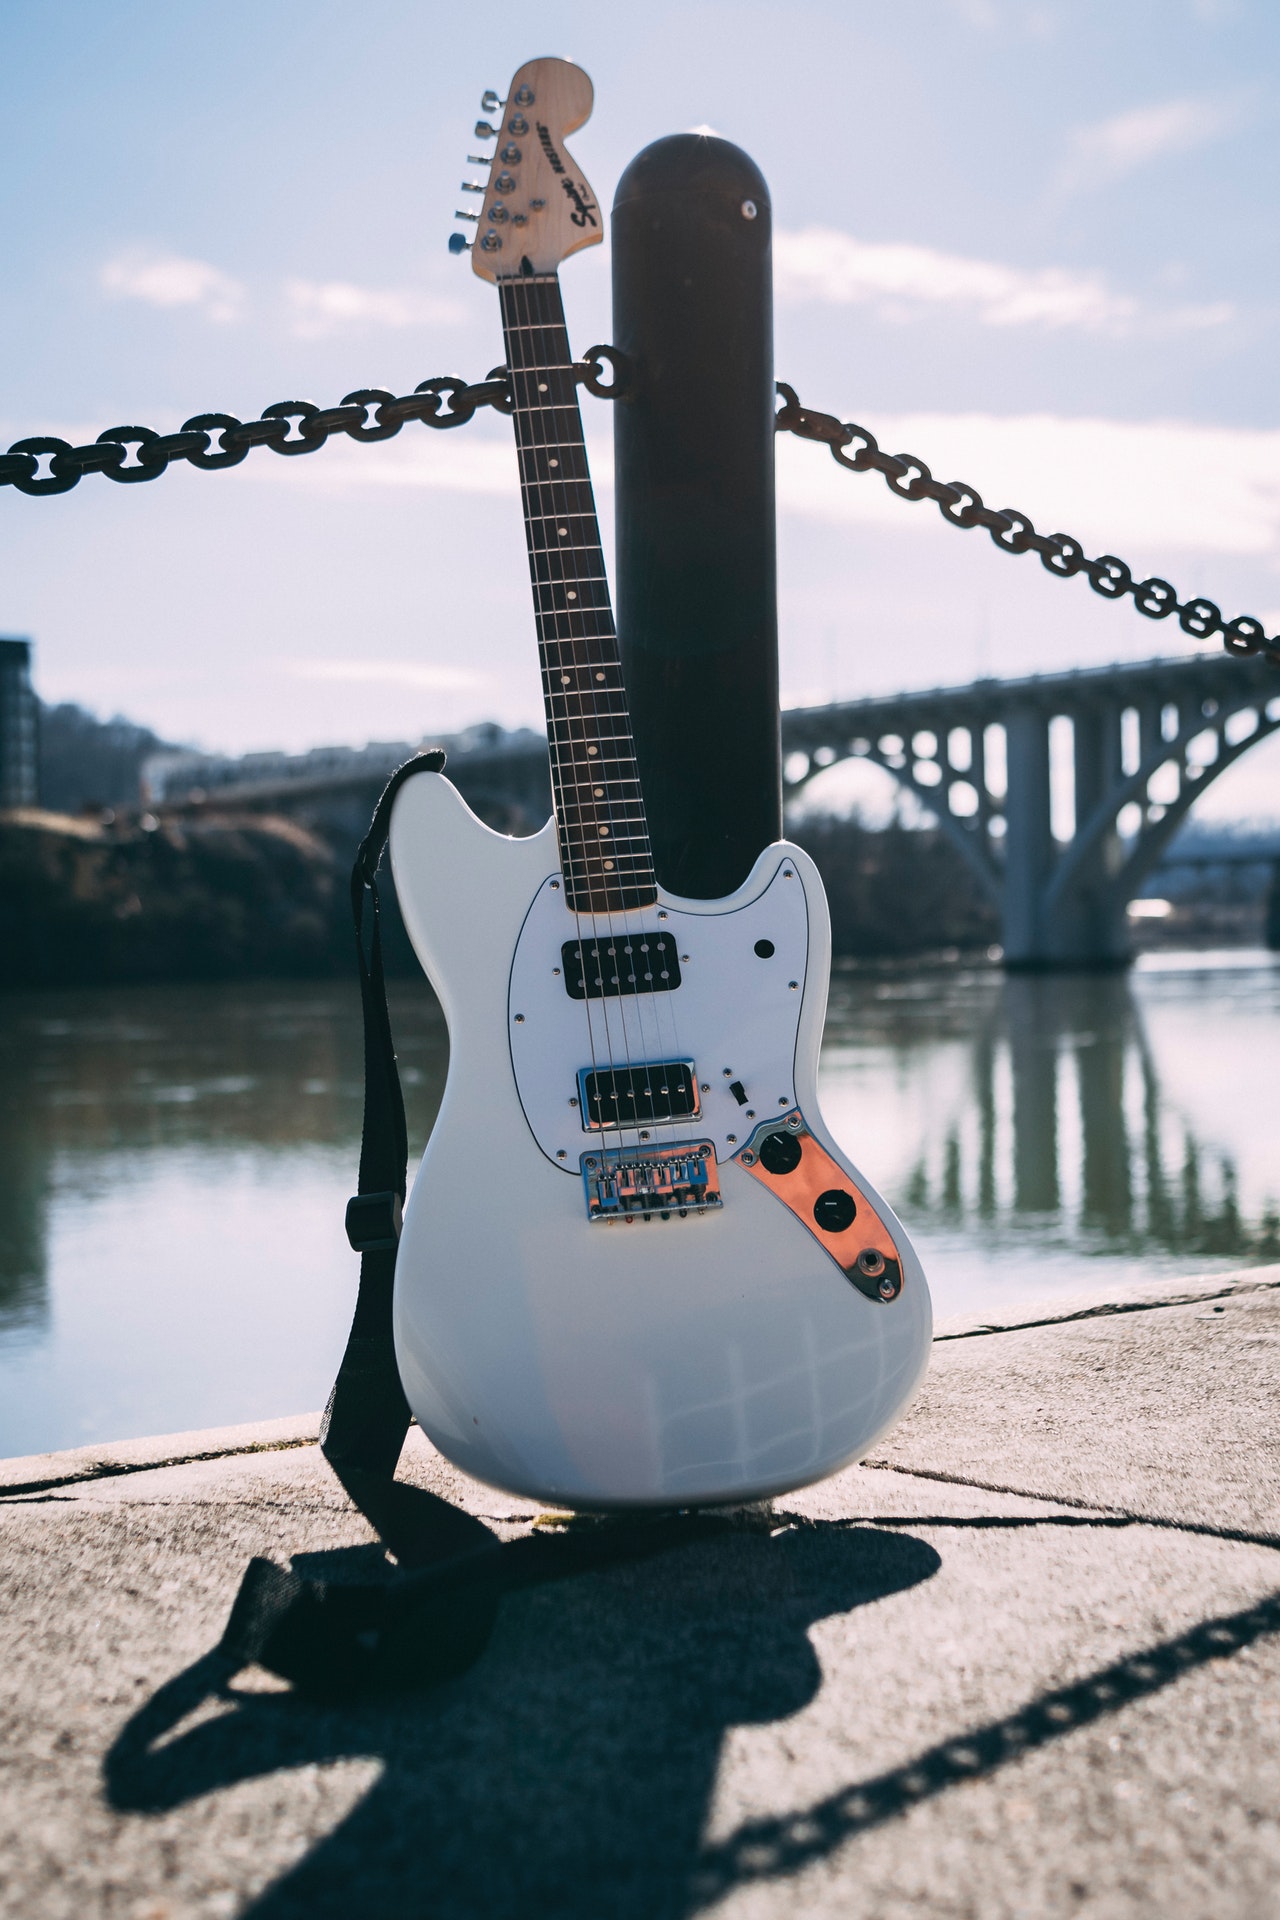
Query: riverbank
109, 898
1024, 1662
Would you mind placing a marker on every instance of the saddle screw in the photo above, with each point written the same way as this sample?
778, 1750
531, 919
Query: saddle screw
747, 1158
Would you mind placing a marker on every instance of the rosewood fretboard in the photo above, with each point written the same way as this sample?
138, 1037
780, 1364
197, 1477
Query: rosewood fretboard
604, 841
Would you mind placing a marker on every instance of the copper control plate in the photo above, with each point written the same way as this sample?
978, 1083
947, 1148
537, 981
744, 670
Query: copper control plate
864, 1251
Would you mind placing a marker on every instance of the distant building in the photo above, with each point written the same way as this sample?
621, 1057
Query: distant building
19, 782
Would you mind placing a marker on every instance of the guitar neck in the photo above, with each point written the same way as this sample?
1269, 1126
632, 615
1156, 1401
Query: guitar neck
604, 840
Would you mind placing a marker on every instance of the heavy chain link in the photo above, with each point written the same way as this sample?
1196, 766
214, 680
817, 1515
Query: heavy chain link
214, 440
1013, 532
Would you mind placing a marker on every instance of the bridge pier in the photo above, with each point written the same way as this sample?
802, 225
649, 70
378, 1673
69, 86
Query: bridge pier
1029, 849
1146, 740
1081, 923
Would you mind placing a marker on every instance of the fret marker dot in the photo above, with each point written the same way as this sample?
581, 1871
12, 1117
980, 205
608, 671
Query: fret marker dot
598, 792
599, 676
593, 751
608, 866
604, 833
553, 463
563, 532
571, 595
542, 386
564, 679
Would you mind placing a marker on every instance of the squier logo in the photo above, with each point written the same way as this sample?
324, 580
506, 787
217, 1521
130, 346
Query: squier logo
584, 212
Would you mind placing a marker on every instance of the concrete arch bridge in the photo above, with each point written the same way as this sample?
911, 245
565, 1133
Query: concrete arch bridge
1062, 791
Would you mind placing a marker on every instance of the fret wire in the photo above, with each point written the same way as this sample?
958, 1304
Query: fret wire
578, 637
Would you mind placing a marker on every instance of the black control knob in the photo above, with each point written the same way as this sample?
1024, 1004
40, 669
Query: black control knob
834, 1210
780, 1153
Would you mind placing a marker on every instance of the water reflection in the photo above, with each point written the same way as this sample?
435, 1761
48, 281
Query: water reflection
1103, 1114
174, 1163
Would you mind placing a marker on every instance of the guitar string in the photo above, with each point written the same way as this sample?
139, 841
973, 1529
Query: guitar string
532, 475
605, 665
549, 622
597, 666
601, 664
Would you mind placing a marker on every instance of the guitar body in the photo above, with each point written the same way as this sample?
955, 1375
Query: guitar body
678, 1355
635, 1270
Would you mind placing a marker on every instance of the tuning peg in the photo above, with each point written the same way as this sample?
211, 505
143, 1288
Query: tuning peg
458, 243
484, 131
490, 101
459, 215
469, 186
479, 160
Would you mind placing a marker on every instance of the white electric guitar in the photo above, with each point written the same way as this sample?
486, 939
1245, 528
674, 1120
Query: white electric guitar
636, 1270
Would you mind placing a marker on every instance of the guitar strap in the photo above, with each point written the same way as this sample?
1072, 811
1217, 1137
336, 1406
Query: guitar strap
425, 1608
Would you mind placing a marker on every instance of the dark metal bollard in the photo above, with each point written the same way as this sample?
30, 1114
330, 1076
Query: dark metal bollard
696, 570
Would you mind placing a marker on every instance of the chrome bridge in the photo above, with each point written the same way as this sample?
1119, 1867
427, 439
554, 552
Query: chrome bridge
651, 1184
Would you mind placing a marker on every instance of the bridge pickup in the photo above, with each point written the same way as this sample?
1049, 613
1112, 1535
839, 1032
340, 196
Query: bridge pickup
652, 1184
627, 963
656, 1091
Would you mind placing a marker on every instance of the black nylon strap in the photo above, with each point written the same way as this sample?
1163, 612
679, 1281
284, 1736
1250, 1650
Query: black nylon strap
430, 1614
429, 1610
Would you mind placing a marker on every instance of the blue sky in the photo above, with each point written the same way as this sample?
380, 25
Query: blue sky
1032, 240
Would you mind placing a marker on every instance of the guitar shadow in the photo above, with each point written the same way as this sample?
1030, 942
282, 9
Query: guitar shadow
570, 1771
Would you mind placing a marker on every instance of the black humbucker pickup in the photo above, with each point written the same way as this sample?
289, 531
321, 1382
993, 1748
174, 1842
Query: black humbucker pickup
625, 963
631, 1096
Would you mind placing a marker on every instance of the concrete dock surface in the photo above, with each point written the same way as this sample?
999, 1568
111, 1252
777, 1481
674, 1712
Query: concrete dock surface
1023, 1662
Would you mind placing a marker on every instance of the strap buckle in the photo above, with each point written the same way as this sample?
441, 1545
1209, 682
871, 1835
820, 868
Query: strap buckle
374, 1221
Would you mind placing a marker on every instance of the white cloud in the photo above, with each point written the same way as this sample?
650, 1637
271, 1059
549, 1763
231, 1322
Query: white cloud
901, 280
1111, 148
403, 673
416, 458
171, 280
321, 307
1144, 490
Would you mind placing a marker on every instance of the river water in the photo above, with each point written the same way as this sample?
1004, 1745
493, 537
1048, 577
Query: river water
175, 1161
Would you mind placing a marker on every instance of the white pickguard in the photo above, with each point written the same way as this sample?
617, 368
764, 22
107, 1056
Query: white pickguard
719, 1357
735, 1013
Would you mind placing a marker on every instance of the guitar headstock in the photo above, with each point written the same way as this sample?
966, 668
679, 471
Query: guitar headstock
537, 205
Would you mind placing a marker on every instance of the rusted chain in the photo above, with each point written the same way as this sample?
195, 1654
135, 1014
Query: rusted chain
290, 427
908, 476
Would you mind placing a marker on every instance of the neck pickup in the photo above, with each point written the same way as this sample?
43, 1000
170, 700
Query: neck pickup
626, 963
604, 838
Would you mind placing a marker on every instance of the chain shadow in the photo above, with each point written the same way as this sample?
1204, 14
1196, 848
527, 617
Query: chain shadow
569, 1772
772, 1849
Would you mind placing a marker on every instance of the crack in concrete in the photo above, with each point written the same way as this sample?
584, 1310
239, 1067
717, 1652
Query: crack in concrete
1238, 1536
1105, 1309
